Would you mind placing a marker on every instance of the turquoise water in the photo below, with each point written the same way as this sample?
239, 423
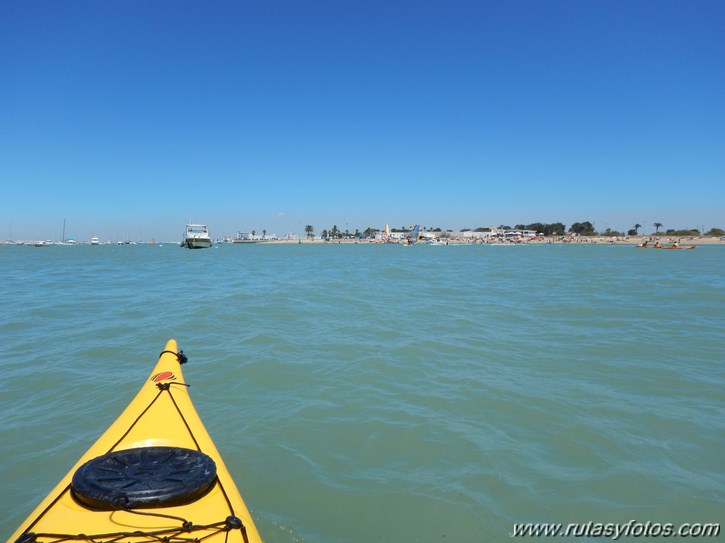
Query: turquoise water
386, 393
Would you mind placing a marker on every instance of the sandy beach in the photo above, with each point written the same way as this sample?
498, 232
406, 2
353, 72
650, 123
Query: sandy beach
454, 239
638, 240
595, 240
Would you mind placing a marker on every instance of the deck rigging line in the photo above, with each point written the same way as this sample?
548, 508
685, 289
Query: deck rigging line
187, 533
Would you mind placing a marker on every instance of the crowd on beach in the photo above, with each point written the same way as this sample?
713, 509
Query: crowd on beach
645, 241
463, 238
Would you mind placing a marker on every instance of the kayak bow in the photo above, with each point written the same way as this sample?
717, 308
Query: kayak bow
154, 475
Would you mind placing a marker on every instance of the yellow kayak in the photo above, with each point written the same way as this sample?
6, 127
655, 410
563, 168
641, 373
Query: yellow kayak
154, 475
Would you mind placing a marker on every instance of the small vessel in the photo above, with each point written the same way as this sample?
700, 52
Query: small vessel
153, 476
412, 236
676, 247
196, 236
94, 240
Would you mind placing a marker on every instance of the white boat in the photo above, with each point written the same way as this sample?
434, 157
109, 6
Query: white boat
437, 241
196, 236
94, 240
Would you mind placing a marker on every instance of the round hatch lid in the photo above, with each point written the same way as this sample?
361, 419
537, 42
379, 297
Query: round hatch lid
145, 477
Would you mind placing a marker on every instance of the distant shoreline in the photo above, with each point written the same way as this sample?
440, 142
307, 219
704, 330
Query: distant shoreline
558, 240
664, 240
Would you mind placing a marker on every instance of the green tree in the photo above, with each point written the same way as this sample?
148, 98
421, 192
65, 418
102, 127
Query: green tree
636, 228
673, 232
555, 229
546, 229
657, 226
309, 231
585, 228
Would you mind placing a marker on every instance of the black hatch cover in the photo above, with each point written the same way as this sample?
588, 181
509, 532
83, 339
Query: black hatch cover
145, 477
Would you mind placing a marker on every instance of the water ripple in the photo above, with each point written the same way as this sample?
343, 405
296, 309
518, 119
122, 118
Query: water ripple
387, 393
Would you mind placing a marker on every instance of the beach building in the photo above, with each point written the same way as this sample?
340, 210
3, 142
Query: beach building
482, 233
491, 233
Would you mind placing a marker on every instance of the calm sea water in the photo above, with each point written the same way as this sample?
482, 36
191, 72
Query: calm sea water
386, 393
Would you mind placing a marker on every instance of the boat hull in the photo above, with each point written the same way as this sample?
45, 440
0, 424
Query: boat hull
197, 243
668, 247
161, 418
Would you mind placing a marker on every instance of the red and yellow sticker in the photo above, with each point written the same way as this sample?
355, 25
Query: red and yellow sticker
163, 376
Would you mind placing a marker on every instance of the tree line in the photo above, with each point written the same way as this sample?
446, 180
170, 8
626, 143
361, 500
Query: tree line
584, 228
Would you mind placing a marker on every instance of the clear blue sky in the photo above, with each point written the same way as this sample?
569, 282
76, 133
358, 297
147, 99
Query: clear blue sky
128, 118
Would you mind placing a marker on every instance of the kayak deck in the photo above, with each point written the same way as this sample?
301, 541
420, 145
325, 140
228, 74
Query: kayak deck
155, 474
